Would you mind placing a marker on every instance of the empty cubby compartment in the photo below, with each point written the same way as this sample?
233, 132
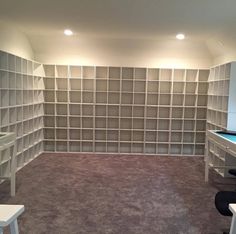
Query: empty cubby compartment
150, 136
101, 72
75, 84
74, 122
87, 110
127, 73
100, 135
126, 123
114, 72
113, 111
138, 136
101, 97
126, 111
100, 122
88, 72
191, 75
125, 147
151, 124
61, 146
153, 74
100, 147
75, 71
113, 98
162, 149
140, 73
75, 96
179, 75
112, 147
87, 97
74, 134
113, 135
137, 148
166, 74
125, 135
139, 86
101, 85
114, 86
152, 86
88, 84
74, 146
74, 109
152, 99
62, 71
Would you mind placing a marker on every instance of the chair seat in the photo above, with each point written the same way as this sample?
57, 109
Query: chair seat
232, 172
222, 201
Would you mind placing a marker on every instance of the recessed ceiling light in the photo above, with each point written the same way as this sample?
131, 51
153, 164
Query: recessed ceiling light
180, 36
68, 32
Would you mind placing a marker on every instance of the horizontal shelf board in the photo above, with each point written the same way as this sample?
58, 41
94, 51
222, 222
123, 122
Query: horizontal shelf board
217, 110
22, 105
118, 104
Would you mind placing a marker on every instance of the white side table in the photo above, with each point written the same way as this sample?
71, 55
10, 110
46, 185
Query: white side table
9, 215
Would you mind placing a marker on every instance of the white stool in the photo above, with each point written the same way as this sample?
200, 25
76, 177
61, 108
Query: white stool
9, 215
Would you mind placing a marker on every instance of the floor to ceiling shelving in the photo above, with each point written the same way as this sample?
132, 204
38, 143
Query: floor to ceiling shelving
57, 108
125, 110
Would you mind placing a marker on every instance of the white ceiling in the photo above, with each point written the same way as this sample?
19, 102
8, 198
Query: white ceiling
208, 22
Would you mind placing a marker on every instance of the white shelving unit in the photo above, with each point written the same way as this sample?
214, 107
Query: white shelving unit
56, 108
21, 105
221, 112
125, 110
218, 96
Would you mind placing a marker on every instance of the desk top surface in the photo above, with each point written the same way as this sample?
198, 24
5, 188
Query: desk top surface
8, 213
230, 137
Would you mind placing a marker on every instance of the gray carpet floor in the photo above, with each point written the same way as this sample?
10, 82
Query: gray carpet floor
112, 194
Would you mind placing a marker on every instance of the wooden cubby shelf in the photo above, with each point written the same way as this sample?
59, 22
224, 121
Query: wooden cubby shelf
58, 108
125, 110
221, 113
22, 101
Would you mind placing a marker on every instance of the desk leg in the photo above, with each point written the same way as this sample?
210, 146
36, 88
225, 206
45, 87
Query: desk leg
14, 227
13, 172
13, 184
233, 225
207, 163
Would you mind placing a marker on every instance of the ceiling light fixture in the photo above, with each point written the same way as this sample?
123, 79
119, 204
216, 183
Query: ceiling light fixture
68, 32
180, 36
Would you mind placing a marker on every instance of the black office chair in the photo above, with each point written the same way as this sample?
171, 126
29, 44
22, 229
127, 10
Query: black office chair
224, 198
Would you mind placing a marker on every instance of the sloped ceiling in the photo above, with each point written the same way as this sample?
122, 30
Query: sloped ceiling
121, 28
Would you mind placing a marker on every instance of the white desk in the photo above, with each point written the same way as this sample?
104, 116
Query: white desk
9, 215
220, 153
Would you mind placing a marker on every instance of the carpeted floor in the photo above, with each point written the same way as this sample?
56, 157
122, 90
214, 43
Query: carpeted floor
85, 194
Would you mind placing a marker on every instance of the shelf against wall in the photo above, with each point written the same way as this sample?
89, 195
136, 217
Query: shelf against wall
21, 105
221, 110
124, 110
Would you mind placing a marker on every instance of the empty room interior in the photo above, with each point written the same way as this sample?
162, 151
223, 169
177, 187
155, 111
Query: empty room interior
117, 117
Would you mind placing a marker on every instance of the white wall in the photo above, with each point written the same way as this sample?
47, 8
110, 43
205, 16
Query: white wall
85, 50
223, 49
15, 42
121, 52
